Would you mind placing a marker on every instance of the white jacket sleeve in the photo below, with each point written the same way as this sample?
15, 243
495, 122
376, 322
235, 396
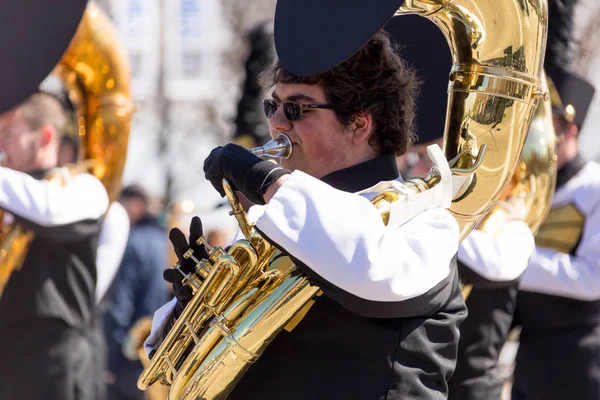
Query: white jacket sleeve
111, 247
574, 276
340, 238
501, 259
48, 204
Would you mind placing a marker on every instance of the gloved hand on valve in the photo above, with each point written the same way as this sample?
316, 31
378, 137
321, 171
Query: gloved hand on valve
249, 174
187, 265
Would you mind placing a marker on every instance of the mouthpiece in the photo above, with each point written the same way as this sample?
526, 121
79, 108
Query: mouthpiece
280, 147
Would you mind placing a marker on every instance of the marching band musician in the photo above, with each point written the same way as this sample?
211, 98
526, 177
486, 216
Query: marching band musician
47, 308
558, 307
386, 326
43, 352
491, 264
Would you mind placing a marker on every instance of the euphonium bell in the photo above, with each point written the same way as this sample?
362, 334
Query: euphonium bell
495, 85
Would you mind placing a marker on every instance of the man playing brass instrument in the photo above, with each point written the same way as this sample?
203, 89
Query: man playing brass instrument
47, 308
386, 325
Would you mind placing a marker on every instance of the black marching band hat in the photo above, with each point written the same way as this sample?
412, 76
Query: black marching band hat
425, 49
313, 36
572, 94
34, 34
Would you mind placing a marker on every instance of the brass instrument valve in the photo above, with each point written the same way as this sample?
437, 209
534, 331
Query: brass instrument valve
193, 281
202, 267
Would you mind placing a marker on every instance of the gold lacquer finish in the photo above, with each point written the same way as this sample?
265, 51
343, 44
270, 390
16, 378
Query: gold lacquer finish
531, 188
534, 179
242, 299
497, 50
539, 158
14, 243
95, 71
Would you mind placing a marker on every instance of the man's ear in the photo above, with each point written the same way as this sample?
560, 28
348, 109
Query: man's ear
362, 127
48, 134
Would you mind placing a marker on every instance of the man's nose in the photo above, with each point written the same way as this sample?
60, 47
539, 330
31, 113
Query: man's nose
279, 123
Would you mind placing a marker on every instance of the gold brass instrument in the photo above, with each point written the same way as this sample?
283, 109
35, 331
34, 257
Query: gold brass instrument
95, 72
242, 299
533, 181
497, 52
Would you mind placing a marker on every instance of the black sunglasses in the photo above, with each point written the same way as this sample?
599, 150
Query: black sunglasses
291, 110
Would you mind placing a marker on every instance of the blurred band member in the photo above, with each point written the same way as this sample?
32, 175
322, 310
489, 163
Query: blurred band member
48, 307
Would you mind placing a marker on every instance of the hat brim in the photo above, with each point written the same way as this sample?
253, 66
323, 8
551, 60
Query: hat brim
314, 36
34, 35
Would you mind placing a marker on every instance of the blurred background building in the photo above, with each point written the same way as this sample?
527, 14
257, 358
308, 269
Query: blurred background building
188, 69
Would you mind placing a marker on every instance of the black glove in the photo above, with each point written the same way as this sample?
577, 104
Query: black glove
248, 173
174, 276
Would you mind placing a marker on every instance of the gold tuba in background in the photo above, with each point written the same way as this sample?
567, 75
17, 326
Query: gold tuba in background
531, 189
243, 297
534, 179
95, 72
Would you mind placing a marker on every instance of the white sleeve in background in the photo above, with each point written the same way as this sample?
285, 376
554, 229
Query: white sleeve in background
159, 320
111, 247
500, 259
342, 238
48, 204
560, 274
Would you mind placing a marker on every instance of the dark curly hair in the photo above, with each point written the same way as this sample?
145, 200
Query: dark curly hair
374, 80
